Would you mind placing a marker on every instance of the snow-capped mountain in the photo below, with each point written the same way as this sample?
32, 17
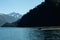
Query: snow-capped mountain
16, 15
9, 18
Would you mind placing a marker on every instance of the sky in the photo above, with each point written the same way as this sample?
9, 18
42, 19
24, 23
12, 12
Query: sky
18, 6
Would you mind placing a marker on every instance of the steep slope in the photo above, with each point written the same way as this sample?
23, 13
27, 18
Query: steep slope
2, 20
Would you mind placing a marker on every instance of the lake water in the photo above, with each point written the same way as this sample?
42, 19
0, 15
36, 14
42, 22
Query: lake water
14, 33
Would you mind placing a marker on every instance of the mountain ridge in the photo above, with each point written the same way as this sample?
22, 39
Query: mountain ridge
7, 18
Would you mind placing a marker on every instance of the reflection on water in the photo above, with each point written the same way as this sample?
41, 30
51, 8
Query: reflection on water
28, 34
38, 34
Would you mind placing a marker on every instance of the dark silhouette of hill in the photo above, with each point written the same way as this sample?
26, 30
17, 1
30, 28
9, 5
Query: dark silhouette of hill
9, 25
45, 14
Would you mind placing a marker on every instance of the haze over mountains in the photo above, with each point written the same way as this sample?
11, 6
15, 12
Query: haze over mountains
9, 18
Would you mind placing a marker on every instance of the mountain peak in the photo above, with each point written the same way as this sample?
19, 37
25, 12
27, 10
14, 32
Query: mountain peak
16, 15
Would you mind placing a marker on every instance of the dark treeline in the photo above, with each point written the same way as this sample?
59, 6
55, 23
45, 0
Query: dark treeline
45, 14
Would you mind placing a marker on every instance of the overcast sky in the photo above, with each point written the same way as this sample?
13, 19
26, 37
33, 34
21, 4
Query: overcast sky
18, 6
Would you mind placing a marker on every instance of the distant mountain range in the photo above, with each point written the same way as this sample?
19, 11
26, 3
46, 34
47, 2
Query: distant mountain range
9, 18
